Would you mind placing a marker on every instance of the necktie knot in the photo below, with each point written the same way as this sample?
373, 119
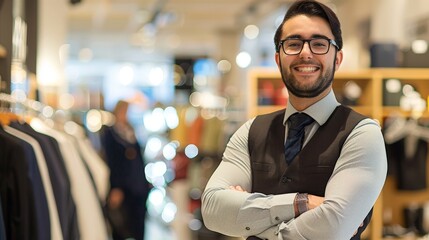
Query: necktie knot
299, 121
295, 137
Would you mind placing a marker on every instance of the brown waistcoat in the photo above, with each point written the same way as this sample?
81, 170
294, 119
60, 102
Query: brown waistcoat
312, 167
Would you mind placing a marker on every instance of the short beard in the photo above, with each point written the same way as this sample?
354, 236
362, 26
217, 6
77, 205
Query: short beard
315, 90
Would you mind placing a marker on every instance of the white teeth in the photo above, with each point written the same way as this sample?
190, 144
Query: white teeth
307, 69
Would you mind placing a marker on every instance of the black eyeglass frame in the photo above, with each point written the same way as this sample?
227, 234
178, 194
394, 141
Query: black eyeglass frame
330, 41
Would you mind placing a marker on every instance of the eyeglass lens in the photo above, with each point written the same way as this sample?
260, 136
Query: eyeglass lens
317, 46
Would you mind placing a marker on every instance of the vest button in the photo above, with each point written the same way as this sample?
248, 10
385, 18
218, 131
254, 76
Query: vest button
286, 180
247, 228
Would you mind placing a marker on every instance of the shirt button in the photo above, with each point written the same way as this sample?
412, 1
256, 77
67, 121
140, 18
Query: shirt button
277, 218
247, 228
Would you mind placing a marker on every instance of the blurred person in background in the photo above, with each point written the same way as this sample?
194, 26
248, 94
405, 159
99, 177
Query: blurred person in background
126, 202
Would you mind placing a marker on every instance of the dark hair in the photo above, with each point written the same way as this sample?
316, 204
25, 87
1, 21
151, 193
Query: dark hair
315, 9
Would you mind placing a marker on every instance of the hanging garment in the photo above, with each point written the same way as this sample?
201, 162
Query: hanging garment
18, 209
2, 227
56, 232
89, 212
41, 211
59, 179
96, 165
410, 171
406, 148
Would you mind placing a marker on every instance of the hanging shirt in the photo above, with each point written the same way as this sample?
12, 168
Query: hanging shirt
90, 217
97, 166
56, 232
59, 179
16, 193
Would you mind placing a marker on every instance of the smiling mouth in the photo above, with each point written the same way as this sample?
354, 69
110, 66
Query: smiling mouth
306, 69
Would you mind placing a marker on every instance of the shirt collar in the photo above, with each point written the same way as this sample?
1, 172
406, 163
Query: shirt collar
319, 111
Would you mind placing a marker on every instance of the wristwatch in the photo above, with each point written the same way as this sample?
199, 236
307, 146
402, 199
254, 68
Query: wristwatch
301, 201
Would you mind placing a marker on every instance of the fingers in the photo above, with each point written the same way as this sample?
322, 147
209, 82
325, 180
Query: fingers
237, 188
361, 225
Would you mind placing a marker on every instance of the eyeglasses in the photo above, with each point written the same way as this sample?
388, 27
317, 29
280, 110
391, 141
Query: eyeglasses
319, 46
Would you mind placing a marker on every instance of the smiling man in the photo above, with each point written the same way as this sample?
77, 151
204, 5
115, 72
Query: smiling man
311, 171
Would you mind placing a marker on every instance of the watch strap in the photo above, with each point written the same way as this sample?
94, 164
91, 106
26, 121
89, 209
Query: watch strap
301, 201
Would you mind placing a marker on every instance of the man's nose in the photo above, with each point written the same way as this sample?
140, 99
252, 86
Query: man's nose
306, 51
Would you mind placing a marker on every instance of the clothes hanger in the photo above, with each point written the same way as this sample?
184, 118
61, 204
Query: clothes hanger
6, 116
398, 127
12, 109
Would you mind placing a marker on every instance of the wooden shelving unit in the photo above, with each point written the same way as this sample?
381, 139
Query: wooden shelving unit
370, 103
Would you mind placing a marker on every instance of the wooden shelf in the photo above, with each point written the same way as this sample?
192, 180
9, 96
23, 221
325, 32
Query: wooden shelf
370, 103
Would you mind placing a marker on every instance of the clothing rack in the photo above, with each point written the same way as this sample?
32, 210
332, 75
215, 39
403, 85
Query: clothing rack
24, 107
62, 181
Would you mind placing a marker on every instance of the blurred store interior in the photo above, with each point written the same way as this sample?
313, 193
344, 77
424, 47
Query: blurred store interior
184, 67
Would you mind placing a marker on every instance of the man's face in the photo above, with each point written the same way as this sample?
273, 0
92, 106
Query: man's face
306, 74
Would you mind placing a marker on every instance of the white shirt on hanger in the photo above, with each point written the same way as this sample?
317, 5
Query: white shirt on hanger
98, 167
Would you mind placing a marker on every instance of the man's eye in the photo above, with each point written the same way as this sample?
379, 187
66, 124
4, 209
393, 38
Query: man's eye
318, 44
294, 45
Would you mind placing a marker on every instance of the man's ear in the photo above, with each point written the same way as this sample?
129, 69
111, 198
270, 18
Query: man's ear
338, 59
277, 58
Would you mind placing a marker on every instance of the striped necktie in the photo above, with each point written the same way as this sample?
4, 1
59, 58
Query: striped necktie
295, 136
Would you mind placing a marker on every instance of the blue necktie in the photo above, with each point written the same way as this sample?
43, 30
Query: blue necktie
295, 136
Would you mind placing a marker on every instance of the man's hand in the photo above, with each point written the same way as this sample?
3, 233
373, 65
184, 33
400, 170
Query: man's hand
238, 188
361, 225
314, 201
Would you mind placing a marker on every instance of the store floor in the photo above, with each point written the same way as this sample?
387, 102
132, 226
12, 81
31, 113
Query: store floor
156, 231
179, 229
